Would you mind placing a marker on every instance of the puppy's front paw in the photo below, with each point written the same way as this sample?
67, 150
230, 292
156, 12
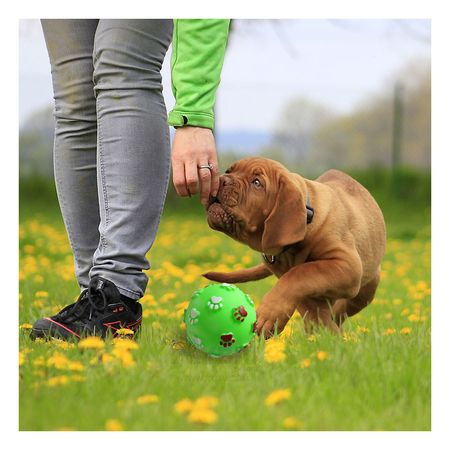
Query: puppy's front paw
271, 318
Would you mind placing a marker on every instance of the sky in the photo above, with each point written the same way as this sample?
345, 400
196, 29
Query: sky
269, 63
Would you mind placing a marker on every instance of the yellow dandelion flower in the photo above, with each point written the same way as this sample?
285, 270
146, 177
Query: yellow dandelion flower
190, 278
397, 301
204, 416
28, 248
182, 306
38, 304
58, 380
64, 345
147, 399
113, 425
178, 345
405, 312
38, 279
124, 356
322, 355
21, 358
26, 326
206, 402
274, 351
312, 338
421, 285
388, 316
124, 332
156, 325
148, 299
58, 360
292, 423
362, 330
413, 318
274, 356
94, 342
405, 330
277, 396
183, 406
389, 331
75, 366
182, 326
126, 344
41, 294
39, 361
288, 331
104, 358
305, 363
349, 337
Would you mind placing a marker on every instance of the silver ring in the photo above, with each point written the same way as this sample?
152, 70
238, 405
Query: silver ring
209, 167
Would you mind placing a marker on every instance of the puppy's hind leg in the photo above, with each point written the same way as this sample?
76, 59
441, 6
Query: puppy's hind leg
344, 308
317, 313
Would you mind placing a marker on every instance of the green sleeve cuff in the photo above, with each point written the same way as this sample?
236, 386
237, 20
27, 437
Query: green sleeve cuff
180, 119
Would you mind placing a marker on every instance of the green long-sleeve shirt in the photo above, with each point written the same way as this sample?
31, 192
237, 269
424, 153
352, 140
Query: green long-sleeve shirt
198, 50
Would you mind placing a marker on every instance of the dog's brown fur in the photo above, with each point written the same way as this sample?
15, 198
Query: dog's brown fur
327, 270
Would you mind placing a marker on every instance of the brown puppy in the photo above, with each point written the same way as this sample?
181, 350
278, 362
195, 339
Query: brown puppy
323, 239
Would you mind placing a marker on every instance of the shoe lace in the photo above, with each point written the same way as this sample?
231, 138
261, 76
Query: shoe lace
96, 301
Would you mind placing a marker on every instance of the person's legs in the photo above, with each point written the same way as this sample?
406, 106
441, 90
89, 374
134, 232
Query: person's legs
70, 45
133, 149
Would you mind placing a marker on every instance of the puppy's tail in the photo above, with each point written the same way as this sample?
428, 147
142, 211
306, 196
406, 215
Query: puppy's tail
240, 276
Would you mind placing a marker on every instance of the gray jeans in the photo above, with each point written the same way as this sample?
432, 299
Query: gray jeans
111, 148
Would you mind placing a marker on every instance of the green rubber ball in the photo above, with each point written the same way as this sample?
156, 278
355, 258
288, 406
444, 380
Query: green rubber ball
220, 319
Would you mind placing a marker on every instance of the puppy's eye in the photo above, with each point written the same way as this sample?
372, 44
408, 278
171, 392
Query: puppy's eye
257, 183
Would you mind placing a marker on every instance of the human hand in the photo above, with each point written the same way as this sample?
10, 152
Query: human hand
194, 147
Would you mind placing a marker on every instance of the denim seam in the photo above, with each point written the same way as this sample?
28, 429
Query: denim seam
166, 181
103, 239
63, 204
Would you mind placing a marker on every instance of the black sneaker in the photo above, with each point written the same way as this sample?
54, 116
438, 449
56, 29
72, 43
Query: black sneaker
100, 309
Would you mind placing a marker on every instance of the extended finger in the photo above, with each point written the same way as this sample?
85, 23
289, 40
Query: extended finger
179, 179
191, 174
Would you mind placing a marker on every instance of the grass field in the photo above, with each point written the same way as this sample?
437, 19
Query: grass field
377, 376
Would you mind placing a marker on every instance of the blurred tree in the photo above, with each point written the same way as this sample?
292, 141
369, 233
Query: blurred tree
36, 144
364, 138
295, 130
397, 125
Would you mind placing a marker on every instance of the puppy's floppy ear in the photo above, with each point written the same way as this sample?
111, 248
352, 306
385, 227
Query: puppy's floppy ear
286, 223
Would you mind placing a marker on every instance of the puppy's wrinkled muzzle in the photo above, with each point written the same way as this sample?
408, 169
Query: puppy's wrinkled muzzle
218, 218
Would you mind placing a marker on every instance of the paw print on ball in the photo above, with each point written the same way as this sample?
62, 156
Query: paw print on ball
227, 340
240, 313
193, 316
197, 342
228, 287
215, 303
